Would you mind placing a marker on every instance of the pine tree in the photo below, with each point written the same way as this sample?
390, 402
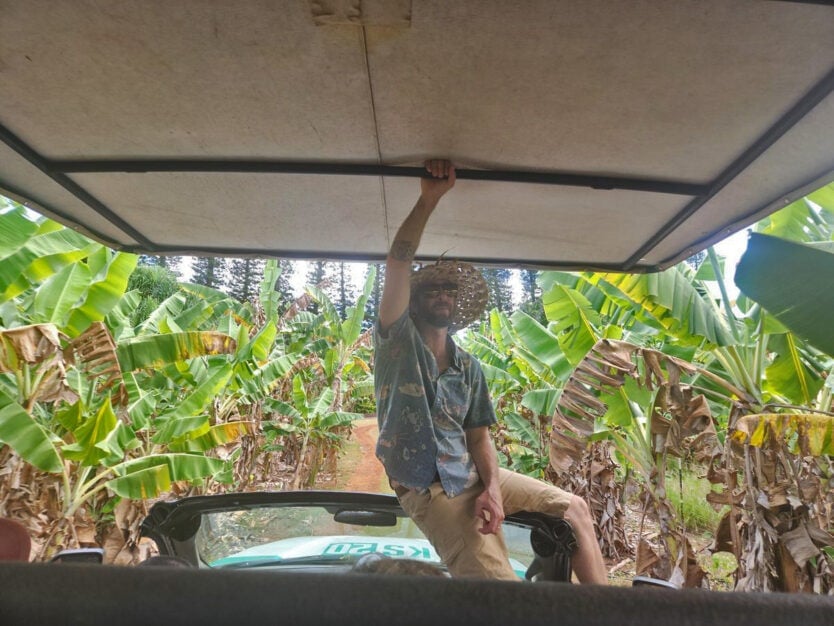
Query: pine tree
245, 277
345, 296
528, 284
531, 299
209, 271
284, 284
317, 273
500, 290
697, 259
319, 276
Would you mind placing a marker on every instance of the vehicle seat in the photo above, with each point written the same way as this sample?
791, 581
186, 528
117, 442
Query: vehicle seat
15, 543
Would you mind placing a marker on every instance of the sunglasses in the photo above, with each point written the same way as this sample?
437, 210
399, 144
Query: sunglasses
433, 291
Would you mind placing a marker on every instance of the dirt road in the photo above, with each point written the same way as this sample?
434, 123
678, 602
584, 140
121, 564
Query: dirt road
359, 469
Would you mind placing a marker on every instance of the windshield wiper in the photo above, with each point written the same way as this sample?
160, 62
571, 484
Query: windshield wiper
318, 559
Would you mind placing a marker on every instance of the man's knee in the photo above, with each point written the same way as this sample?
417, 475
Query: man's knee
578, 512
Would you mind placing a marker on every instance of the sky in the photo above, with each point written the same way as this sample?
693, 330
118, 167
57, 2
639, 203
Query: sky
730, 248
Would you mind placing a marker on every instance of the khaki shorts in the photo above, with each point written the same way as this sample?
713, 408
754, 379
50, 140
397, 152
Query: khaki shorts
452, 528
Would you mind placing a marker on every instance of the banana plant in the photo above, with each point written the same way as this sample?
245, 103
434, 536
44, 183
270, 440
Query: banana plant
783, 539
342, 347
70, 427
611, 386
312, 422
74, 401
52, 275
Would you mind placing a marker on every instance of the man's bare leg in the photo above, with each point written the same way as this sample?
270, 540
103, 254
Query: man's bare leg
587, 561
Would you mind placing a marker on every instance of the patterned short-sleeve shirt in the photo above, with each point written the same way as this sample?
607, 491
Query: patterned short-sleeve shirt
423, 413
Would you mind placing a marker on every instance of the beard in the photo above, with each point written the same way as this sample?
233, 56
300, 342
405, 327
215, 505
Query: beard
438, 320
437, 316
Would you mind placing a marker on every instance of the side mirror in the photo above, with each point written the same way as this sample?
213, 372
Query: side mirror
79, 555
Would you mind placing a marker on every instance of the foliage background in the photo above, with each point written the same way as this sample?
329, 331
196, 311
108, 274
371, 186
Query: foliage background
120, 384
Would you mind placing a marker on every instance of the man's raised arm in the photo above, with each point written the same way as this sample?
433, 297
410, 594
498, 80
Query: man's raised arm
397, 290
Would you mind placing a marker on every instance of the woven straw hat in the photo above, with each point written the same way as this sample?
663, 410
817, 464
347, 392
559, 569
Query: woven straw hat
473, 292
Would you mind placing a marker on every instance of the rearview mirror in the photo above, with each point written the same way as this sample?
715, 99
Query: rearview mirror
365, 518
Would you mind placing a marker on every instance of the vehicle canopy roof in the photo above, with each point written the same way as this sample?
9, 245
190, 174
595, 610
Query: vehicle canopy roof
588, 135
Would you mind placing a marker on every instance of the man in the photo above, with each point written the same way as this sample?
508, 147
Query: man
435, 412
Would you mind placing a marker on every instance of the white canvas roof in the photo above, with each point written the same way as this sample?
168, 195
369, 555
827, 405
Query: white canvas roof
593, 134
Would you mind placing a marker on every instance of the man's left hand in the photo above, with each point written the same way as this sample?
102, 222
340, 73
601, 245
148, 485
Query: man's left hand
489, 508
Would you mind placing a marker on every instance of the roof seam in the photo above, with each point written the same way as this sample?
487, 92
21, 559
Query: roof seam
376, 136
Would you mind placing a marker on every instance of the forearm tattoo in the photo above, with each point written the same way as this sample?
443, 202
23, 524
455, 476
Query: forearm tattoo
403, 250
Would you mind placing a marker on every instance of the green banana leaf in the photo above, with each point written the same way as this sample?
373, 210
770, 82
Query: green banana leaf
541, 401
26, 437
669, 299
155, 351
218, 435
15, 230
484, 350
195, 316
706, 271
498, 377
120, 440
352, 326
45, 254
141, 403
187, 415
269, 297
788, 374
574, 321
282, 408
264, 378
142, 484
172, 306
118, 319
806, 219
522, 430
171, 429
621, 402
149, 476
208, 294
338, 418
499, 330
331, 359
260, 346
57, 296
103, 295
90, 432
299, 394
322, 404
540, 344
792, 282
70, 416
326, 304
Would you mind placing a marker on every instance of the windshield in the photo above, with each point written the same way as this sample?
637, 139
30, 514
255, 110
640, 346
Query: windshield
312, 534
